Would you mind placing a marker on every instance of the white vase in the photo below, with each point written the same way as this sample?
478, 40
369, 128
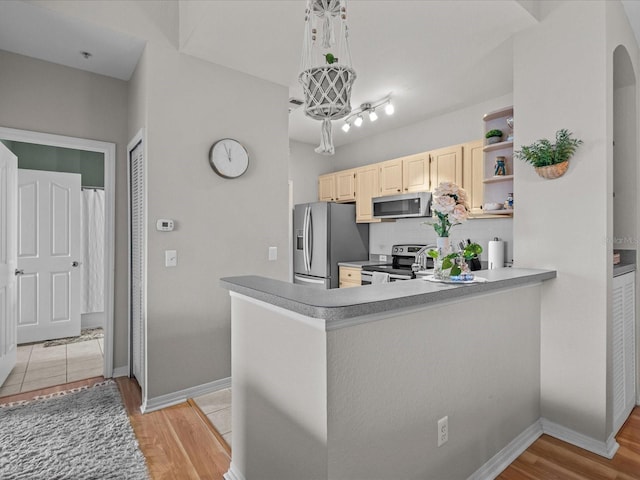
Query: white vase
444, 245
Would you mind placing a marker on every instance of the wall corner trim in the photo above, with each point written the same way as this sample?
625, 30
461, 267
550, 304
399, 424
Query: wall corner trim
170, 399
233, 474
605, 449
508, 454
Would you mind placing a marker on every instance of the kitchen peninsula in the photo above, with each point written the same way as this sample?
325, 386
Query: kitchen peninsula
351, 383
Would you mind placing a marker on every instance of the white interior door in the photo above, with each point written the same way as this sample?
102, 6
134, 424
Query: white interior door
8, 261
48, 255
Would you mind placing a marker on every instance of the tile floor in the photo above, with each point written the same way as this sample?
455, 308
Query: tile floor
217, 408
40, 367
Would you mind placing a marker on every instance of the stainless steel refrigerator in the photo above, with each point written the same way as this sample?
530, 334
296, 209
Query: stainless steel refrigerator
325, 234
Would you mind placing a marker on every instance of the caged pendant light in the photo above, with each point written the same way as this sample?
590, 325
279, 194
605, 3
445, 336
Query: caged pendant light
326, 74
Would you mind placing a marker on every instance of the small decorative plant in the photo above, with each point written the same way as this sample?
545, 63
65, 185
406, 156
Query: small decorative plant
456, 262
451, 207
493, 133
545, 156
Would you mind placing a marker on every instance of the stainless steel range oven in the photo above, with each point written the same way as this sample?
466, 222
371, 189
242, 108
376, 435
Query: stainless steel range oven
403, 256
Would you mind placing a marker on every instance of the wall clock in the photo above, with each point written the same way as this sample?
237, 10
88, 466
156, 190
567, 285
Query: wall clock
228, 158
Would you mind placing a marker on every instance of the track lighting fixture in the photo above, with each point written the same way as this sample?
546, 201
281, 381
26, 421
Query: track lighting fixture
355, 117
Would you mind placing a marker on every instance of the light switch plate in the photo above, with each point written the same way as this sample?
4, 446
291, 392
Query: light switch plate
170, 258
273, 253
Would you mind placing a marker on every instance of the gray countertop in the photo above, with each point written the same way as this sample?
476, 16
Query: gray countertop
344, 303
361, 263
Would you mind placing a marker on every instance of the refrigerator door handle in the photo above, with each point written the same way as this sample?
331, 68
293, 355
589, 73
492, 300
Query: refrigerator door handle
310, 280
304, 239
310, 239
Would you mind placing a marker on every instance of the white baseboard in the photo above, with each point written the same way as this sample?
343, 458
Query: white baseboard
605, 449
170, 399
121, 371
508, 454
233, 474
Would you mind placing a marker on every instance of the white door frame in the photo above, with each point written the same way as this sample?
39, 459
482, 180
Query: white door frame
109, 152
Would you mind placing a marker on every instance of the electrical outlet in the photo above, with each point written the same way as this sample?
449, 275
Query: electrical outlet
383, 258
443, 431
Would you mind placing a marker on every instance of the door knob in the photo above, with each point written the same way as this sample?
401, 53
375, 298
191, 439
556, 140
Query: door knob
75, 264
18, 272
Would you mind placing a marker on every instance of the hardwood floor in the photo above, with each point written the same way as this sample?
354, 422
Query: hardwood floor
176, 442
549, 458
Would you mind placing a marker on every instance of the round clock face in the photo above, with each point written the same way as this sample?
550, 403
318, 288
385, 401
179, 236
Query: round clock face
228, 158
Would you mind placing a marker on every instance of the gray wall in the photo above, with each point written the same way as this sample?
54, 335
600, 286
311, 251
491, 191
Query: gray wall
576, 307
44, 97
305, 166
224, 227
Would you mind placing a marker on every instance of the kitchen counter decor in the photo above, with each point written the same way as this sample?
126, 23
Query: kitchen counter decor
550, 160
450, 206
327, 87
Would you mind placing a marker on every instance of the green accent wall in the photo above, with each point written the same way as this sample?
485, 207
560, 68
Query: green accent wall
56, 159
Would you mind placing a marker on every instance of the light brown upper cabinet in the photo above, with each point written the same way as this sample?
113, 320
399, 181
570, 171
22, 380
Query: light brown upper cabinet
337, 186
415, 173
446, 166
473, 174
327, 187
367, 187
346, 186
390, 177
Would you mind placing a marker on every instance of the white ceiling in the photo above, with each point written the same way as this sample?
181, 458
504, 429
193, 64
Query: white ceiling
47, 35
432, 56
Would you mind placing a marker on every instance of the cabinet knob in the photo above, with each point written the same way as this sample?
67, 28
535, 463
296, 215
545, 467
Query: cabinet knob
398, 189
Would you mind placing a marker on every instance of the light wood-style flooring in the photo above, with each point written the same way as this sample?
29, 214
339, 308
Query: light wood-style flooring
551, 459
176, 441
179, 443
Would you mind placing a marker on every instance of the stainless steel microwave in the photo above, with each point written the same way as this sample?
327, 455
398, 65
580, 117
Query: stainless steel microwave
403, 206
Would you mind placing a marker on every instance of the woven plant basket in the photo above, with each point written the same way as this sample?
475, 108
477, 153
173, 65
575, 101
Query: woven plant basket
327, 91
553, 171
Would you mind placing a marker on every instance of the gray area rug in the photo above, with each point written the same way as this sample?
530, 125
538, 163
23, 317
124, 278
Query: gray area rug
85, 334
83, 434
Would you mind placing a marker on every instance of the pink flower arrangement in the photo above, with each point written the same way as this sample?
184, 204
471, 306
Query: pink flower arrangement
451, 207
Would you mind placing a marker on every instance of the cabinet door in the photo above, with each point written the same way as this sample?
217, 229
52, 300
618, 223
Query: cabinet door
345, 186
446, 166
473, 174
327, 187
623, 348
367, 187
391, 177
415, 173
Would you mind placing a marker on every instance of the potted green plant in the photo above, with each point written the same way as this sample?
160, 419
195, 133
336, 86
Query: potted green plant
550, 160
493, 136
